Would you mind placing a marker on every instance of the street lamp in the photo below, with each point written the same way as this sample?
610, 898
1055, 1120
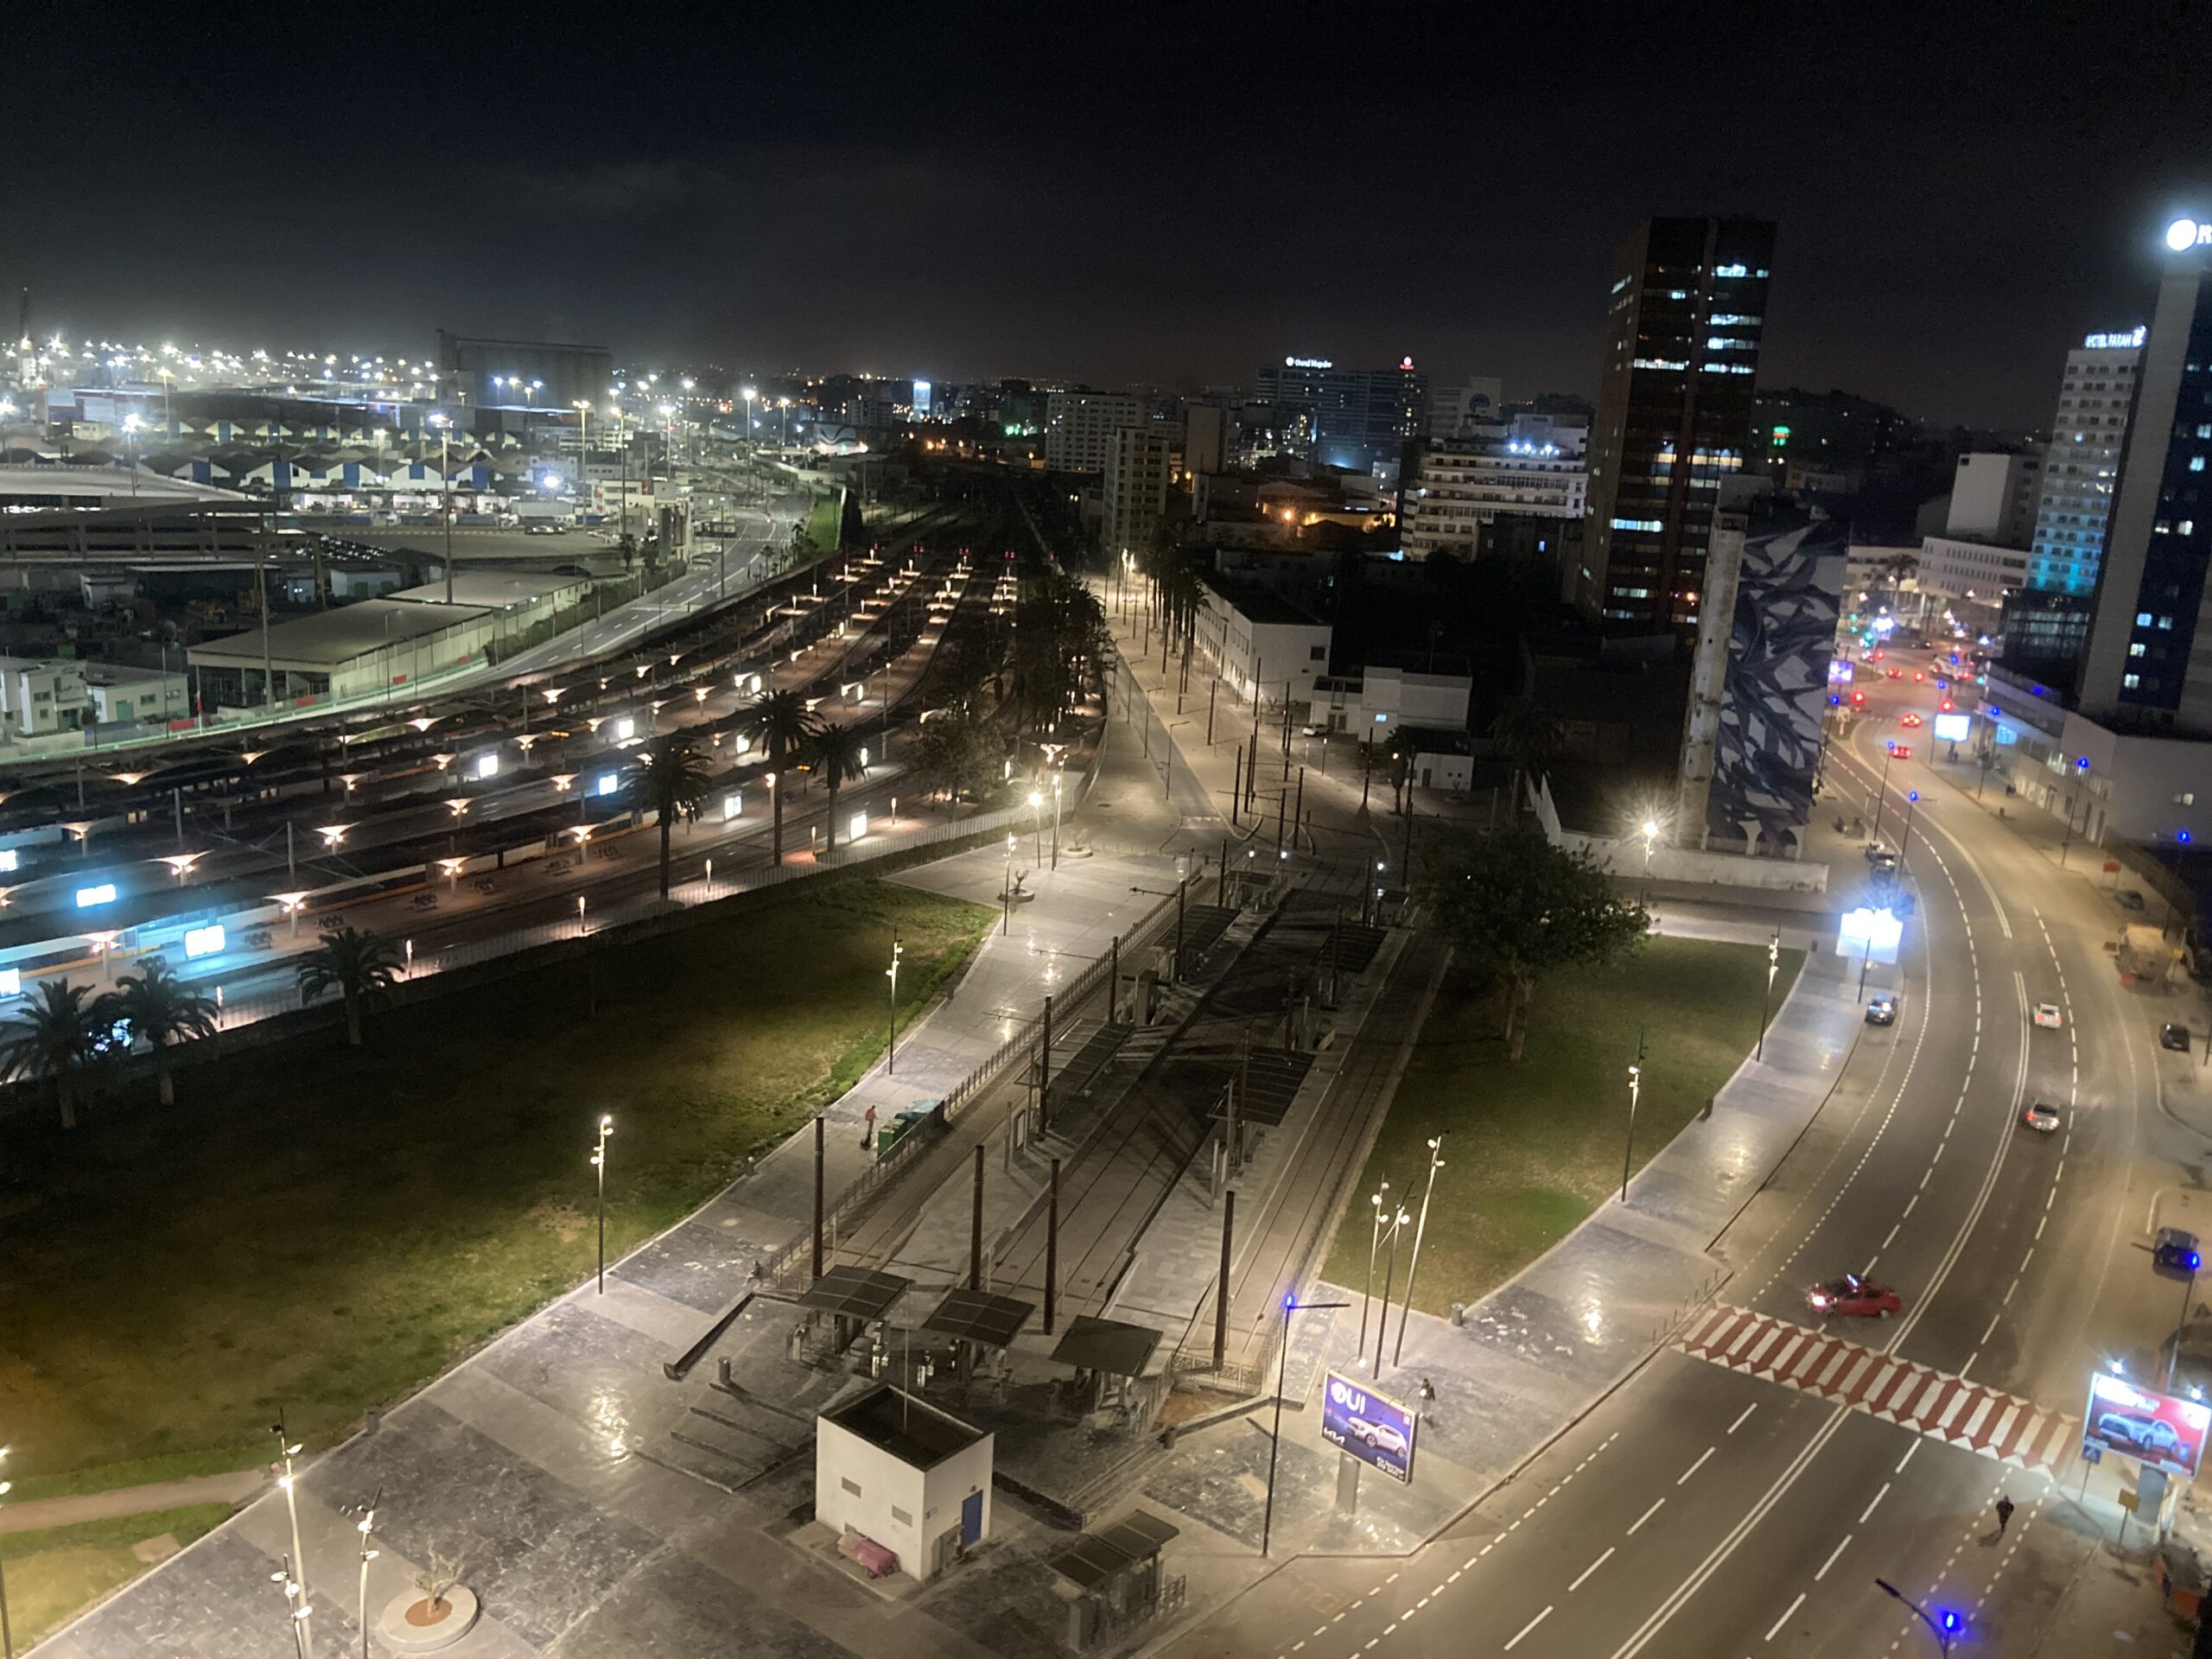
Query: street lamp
1056, 820
1904, 842
1766, 1001
1650, 833
1006, 897
599, 1167
1374, 1244
1290, 1304
367, 1527
2187, 1295
1635, 1093
1944, 1624
1882, 789
295, 1587
1389, 1272
444, 424
1037, 824
1435, 1163
7, 1636
891, 1051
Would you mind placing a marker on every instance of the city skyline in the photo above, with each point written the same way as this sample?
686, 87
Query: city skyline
871, 205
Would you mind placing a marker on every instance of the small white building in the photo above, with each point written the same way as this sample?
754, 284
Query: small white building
40, 694
904, 1476
1254, 638
121, 693
1371, 705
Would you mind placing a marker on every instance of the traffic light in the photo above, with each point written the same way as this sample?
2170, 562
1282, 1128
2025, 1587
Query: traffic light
1947, 705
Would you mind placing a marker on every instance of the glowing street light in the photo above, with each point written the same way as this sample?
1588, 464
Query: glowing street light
1635, 1093
292, 902
180, 864
295, 1570
599, 1167
891, 1050
333, 835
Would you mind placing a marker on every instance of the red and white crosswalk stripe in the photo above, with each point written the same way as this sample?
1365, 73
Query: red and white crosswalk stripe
1914, 1397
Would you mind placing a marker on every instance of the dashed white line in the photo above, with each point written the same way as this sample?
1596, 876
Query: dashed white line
1592, 1567
1991, 1332
1684, 1476
1645, 1516
1892, 1238
1830, 1562
1741, 1415
1786, 1616
1869, 1509
1525, 1629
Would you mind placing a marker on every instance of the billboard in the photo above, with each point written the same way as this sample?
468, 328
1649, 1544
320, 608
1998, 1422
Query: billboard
1874, 934
1378, 1431
2157, 1430
1953, 728
1841, 670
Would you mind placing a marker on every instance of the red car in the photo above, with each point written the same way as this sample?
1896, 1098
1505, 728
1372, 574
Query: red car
1909, 719
1852, 1297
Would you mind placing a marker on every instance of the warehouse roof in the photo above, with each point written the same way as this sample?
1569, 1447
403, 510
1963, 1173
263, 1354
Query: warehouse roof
323, 639
492, 590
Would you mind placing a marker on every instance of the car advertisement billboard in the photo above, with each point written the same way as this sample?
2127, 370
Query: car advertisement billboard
2156, 1429
1954, 728
1376, 1431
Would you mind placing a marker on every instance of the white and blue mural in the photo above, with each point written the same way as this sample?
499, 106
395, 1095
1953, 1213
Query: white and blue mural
1769, 746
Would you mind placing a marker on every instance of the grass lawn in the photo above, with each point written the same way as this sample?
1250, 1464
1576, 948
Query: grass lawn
53, 1573
321, 1228
1536, 1146
823, 524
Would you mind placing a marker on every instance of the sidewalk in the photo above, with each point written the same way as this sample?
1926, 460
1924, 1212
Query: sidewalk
1535, 1355
234, 1488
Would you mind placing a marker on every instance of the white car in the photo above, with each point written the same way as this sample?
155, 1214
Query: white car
2043, 1120
2046, 1015
1379, 1437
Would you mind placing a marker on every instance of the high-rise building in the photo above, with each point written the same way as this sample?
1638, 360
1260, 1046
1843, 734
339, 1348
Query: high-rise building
1688, 312
2046, 624
1134, 489
1350, 419
2153, 605
1995, 496
1079, 424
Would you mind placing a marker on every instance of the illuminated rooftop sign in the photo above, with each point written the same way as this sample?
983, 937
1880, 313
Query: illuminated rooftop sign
1308, 363
2185, 233
2116, 342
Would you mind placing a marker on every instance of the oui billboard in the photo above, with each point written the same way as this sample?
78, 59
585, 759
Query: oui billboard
2156, 1429
1378, 1431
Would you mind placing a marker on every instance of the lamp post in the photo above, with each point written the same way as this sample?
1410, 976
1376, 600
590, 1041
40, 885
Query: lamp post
295, 1587
1435, 1163
1389, 1272
1290, 1304
1945, 1625
598, 1168
7, 1635
1037, 827
891, 1050
1904, 841
1635, 1092
1005, 897
444, 424
367, 1527
1650, 833
1056, 820
1374, 1245
1766, 1001
2187, 1295
1882, 789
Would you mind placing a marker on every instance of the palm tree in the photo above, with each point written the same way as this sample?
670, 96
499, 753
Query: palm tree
362, 966
1532, 738
51, 1036
779, 721
161, 1010
837, 752
670, 781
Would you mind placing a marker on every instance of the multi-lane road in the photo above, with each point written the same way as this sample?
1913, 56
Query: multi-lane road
1710, 1508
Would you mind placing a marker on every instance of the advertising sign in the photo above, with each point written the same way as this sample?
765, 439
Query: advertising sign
2157, 1430
1874, 934
1378, 1431
1841, 670
1953, 728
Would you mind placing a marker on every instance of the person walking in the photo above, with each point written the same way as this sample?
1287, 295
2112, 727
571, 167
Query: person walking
2003, 1514
868, 1129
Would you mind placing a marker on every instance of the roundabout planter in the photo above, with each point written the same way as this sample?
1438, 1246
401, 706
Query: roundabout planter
412, 1624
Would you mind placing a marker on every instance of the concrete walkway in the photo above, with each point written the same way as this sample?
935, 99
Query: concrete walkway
234, 1488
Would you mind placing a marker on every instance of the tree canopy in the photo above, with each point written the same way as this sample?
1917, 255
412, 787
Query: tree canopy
1514, 905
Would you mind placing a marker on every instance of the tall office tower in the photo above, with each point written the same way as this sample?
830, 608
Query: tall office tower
1135, 488
2046, 622
1350, 419
1689, 311
2140, 669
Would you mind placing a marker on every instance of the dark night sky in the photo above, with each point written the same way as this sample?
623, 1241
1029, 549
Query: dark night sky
1115, 193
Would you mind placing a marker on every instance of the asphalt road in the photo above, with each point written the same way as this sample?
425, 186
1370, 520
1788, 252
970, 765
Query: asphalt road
1699, 1511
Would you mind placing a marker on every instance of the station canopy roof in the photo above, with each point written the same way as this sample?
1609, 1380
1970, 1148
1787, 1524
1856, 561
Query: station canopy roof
980, 1316
854, 1292
1109, 1346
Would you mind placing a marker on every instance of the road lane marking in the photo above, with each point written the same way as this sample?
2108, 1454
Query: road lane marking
1993, 1319
1645, 1516
1892, 1238
1741, 1415
1592, 1567
1525, 1629
1833, 1554
1695, 1467
1785, 1618
1869, 1509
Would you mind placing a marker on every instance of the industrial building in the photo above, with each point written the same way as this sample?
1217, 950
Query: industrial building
356, 651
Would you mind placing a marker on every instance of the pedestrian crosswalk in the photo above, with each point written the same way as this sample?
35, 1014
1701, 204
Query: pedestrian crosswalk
1935, 1403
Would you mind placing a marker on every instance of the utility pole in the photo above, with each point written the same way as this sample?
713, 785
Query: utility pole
1435, 1163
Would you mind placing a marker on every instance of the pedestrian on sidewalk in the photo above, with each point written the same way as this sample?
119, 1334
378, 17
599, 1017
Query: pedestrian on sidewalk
868, 1128
2003, 1514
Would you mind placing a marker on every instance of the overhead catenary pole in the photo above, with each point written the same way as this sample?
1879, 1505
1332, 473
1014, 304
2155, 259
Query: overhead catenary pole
1390, 1274
1052, 1244
975, 1228
1413, 1266
1221, 1286
821, 1150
